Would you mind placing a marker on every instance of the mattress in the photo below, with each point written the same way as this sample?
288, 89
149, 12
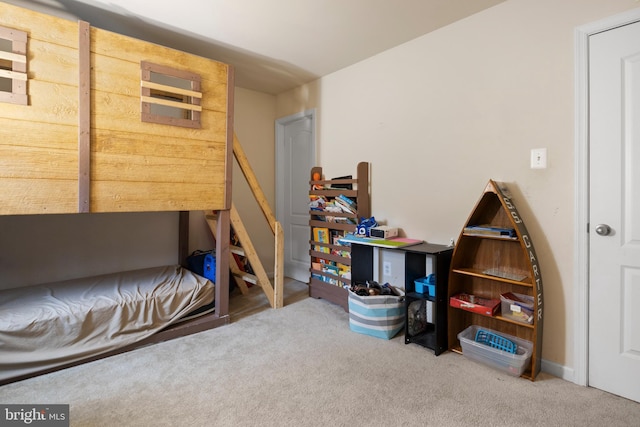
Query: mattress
51, 325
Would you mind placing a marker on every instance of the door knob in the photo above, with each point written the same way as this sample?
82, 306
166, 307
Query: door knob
603, 229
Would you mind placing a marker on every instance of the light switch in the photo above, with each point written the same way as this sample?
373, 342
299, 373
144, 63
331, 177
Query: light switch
539, 158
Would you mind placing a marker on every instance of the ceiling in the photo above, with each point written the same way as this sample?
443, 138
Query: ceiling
274, 45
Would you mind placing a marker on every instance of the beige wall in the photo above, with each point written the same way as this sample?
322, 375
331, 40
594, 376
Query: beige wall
254, 125
439, 116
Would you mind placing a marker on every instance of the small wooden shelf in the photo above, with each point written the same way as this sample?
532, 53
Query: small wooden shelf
476, 253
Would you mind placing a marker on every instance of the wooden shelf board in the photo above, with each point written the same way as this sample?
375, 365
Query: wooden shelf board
333, 214
330, 257
332, 225
488, 236
497, 317
477, 272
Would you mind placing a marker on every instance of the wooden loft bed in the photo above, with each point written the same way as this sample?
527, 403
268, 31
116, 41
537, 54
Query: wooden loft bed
94, 122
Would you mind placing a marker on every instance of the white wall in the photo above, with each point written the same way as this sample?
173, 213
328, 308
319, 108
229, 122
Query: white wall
439, 116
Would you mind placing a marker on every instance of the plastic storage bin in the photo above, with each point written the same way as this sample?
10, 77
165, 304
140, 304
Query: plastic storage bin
426, 285
517, 307
512, 364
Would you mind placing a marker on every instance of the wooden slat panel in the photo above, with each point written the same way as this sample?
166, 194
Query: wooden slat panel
133, 50
123, 157
49, 103
156, 169
27, 151
13, 75
38, 196
39, 26
37, 163
117, 76
171, 89
182, 105
147, 166
15, 57
53, 63
134, 163
32, 134
127, 143
153, 196
119, 113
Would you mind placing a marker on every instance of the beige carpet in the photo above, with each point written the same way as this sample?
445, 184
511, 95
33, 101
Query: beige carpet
302, 366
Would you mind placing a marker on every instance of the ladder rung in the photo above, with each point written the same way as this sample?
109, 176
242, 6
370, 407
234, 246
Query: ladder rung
248, 278
236, 250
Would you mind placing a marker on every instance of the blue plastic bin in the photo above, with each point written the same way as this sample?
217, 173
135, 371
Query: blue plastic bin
426, 285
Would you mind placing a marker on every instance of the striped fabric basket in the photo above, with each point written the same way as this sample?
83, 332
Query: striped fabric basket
380, 316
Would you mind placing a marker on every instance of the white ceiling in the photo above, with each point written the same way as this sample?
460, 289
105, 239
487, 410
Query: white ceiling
274, 45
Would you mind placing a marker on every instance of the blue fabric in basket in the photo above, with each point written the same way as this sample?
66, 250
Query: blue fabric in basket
380, 316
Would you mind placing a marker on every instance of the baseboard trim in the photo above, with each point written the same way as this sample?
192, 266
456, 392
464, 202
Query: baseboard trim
558, 370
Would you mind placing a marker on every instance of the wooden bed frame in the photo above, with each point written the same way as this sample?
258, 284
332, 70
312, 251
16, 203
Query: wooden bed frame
94, 121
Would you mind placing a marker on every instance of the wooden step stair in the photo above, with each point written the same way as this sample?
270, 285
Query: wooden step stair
246, 250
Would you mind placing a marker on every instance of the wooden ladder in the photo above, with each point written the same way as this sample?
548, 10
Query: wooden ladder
274, 292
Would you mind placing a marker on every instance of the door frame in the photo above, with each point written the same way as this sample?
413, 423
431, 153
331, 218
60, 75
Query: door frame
280, 156
581, 179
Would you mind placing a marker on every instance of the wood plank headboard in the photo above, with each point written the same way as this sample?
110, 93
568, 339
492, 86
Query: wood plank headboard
79, 144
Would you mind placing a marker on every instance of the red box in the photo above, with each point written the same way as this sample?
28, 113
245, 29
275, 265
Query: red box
488, 307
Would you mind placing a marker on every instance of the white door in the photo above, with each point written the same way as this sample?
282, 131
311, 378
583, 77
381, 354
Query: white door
614, 212
295, 156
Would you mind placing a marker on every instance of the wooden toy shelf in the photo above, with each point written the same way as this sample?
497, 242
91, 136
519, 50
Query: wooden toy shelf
328, 256
513, 256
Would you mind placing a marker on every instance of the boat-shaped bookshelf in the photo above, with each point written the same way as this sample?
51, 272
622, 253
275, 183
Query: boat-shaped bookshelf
495, 256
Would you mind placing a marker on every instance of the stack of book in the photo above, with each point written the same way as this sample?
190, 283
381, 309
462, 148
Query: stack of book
346, 204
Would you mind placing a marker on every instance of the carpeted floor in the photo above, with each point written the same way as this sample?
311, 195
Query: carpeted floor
302, 366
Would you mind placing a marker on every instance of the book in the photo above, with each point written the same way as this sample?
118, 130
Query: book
347, 186
346, 207
321, 235
346, 201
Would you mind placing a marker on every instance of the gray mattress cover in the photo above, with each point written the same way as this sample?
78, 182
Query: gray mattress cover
50, 325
